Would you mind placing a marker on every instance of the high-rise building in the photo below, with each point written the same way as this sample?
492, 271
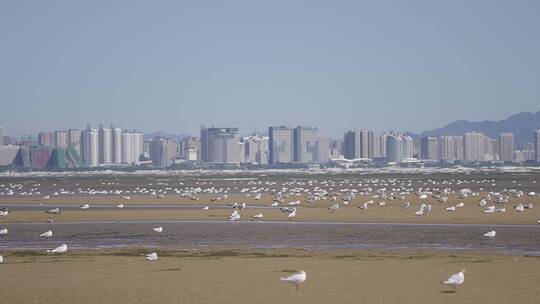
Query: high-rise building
60, 139
220, 145
506, 147
132, 147
322, 150
408, 147
116, 145
90, 147
74, 139
336, 148
447, 149
105, 145
255, 150
305, 144
366, 143
429, 148
474, 146
1, 136
46, 139
351, 142
394, 148
382, 144
190, 148
162, 151
537, 145
281, 145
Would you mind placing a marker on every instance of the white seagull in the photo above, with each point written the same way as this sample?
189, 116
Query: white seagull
151, 257
258, 216
334, 207
1, 259
296, 279
455, 279
85, 206
158, 229
60, 249
120, 206
46, 234
490, 234
205, 208
3, 231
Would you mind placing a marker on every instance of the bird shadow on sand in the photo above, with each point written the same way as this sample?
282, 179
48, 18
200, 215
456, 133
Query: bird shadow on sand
448, 291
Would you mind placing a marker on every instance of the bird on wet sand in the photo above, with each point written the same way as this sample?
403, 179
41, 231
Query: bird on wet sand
296, 278
455, 280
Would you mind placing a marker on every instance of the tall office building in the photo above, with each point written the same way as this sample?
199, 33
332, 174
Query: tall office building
74, 139
220, 145
506, 147
322, 150
163, 151
537, 145
351, 142
366, 143
474, 146
336, 148
382, 144
305, 144
429, 148
116, 145
255, 150
281, 145
105, 145
408, 147
447, 149
359, 144
394, 148
90, 147
46, 139
60, 139
1, 136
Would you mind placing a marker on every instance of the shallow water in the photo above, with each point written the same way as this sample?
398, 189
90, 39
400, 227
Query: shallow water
510, 239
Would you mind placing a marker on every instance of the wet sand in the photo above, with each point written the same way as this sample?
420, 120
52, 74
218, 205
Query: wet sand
252, 276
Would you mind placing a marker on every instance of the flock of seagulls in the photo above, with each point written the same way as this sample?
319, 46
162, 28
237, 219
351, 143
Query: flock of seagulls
381, 193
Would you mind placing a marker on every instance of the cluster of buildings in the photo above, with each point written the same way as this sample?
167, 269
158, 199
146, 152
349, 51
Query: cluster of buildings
471, 147
281, 146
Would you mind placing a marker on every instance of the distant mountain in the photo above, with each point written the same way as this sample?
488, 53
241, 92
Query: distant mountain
522, 125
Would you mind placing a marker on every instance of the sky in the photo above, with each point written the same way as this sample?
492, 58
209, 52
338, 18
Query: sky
173, 66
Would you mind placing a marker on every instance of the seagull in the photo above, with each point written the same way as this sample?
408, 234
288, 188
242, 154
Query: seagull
1, 259
258, 216
60, 249
405, 205
3, 231
460, 205
46, 234
453, 208
120, 206
334, 207
205, 208
292, 213
235, 216
296, 279
85, 206
455, 279
151, 257
490, 234
4, 213
53, 211
158, 229
274, 204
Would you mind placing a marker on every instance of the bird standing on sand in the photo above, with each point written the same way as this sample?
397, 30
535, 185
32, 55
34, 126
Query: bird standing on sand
151, 257
296, 279
158, 229
334, 207
60, 249
3, 231
455, 280
85, 206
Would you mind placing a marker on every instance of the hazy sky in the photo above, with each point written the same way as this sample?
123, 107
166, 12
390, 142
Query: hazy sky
173, 66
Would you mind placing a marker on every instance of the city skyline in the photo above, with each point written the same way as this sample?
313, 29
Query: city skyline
303, 62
